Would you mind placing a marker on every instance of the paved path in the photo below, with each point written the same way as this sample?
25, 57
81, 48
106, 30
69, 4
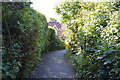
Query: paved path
53, 65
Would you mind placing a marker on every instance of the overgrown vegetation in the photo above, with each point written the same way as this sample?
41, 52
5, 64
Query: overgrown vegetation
94, 44
55, 43
25, 38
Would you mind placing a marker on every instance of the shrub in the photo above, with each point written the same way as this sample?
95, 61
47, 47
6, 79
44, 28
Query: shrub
96, 38
55, 43
24, 38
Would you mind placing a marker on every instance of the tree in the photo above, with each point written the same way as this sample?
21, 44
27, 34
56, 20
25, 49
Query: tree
52, 20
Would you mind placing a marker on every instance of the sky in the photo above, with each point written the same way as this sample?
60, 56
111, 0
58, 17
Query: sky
46, 7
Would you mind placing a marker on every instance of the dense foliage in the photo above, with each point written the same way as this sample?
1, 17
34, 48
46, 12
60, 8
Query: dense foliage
52, 20
25, 38
95, 40
55, 43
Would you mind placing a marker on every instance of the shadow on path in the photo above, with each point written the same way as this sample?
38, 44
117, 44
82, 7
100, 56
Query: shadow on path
53, 65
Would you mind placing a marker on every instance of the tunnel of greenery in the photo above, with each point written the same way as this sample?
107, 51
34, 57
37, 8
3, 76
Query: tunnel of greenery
94, 42
26, 37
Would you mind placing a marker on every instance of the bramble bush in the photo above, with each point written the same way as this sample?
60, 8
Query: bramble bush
94, 45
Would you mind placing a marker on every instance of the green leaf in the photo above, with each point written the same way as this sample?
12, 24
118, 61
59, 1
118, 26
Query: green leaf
107, 62
5, 67
99, 57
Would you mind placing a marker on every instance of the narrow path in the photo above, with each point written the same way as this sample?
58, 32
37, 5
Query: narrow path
53, 65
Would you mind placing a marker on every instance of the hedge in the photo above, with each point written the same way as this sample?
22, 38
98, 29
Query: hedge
24, 38
94, 45
55, 43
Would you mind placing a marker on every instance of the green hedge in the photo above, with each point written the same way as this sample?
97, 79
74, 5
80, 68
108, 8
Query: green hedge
24, 38
95, 43
55, 43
